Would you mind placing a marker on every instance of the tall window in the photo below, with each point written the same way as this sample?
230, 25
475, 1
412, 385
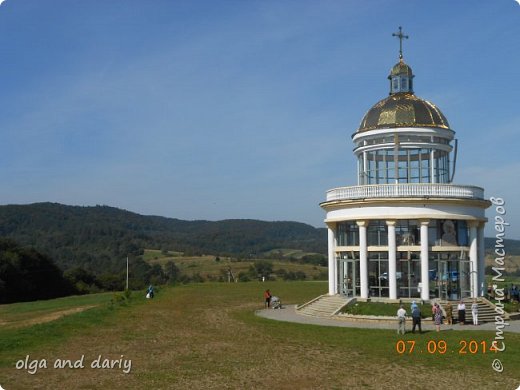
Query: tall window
347, 234
408, 274
378, 274
395, 85
377, 233
413, 164
447, 232
407, 232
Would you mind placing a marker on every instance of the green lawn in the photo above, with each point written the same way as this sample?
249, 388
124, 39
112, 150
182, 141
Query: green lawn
206, 336
15, 311
384, 309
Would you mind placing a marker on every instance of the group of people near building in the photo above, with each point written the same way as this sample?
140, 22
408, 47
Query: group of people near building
437, 315
511, 293
461, 313
416, 318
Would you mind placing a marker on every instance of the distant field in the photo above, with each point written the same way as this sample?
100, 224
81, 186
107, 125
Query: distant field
295, 253
208, 267
154, 254
511, 263
206, 336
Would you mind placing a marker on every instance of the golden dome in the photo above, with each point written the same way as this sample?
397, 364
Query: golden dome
401, 69
403, 110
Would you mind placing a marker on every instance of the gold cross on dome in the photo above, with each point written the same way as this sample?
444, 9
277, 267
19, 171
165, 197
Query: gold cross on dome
401, 36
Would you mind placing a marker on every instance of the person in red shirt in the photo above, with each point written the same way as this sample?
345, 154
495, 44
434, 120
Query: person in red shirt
267, 296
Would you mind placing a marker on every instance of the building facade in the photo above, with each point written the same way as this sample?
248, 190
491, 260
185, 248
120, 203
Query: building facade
405, 231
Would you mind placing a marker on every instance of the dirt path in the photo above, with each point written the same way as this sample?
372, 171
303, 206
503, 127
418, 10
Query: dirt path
45, 318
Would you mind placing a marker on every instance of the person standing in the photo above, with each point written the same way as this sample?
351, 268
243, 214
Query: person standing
416, 318
150, 292
461, 308
267, 297
437, 316
449, 313
401, 318
474, 312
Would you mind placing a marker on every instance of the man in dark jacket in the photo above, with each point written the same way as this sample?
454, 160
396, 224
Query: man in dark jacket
416, 318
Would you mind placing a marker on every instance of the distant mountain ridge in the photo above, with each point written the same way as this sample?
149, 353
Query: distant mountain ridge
96, 237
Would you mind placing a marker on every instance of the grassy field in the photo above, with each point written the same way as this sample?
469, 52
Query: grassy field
284, 252
17, 315
206, 336
208, 268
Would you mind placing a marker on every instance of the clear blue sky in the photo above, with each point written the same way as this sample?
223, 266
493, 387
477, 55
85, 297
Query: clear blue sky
241, 109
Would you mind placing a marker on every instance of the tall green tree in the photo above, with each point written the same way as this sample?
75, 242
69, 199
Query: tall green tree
27, 275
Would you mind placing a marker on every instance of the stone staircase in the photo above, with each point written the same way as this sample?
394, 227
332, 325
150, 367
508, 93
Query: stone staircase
323, 306
486, 310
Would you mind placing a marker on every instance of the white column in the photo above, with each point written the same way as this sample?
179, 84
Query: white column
392, 267
332, 261
473, 258
425, 280
432, 167
363, 258
365, 163
482, 287
359, 166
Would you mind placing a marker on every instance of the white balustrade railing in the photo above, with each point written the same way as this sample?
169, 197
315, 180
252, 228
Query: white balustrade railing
411, 190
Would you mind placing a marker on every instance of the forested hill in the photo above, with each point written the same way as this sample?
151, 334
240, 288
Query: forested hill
100, 236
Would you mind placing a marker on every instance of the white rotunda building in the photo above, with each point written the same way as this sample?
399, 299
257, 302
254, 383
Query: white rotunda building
405, 230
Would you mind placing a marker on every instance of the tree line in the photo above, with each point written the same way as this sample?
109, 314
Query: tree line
27, 275
99, 238
53, 250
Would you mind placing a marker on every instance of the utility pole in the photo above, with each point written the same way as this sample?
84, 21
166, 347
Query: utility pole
127, 272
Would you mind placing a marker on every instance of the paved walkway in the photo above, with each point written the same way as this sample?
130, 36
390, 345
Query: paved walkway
288, 314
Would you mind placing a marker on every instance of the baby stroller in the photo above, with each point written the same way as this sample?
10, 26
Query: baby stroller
276, 303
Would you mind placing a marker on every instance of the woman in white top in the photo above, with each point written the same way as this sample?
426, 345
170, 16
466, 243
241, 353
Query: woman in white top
474, 312
462, 312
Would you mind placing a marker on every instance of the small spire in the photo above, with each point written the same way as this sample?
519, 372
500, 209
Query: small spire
401, 36
401, 76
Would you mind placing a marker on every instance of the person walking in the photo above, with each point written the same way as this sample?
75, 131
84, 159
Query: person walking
401, 319
416, 318
461, 308
474, 312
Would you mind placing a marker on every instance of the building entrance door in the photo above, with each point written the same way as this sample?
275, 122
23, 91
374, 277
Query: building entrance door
442, 279
465, 278
408, 275
449, 283
348, 277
